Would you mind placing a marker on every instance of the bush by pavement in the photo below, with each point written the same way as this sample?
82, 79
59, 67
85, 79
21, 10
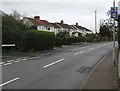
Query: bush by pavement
34, 40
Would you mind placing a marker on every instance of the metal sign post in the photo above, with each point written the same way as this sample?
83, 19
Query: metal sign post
114, 15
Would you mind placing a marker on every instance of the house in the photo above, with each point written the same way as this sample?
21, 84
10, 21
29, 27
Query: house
82, 30
88, 31
65, 27
57, 27
42, 25
2, 13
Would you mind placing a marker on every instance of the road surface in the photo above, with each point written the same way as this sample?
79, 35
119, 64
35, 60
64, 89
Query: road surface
67, 69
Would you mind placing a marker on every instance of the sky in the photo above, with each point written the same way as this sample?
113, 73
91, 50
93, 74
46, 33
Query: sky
70, 11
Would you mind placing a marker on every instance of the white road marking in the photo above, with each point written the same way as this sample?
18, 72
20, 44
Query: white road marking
24, 59
104, 44
7, 63
36, 57
0, 65
85, 47
9, 81
2, 62
98, 46
17, 61
32, 57
53, 63
78, 53
91, 48
10, 60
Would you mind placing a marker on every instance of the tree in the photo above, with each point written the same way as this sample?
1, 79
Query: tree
91, 37
64, 36
12, 29
16, 14
105, 32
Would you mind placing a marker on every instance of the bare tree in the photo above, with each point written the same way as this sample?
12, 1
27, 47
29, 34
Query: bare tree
16, 14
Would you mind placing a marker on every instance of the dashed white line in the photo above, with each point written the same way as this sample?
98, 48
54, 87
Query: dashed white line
7, 63
91, 48
53, 63
78, 53
2, 63
10, 60
9, 81
24, 59
98, 46
17, 61
32, 58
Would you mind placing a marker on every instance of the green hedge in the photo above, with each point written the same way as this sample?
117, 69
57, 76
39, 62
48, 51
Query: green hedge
90, 37
36, 40
77, 39
58, 42
12, 30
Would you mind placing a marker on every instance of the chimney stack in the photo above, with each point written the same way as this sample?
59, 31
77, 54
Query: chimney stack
76, 24
36, 17
62, 21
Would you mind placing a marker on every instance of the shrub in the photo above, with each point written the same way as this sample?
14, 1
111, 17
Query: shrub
65, 37
58, 42
77, 39
90, 37
36, 40
12, 29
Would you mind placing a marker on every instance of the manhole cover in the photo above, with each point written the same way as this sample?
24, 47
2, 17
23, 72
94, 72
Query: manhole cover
84, 69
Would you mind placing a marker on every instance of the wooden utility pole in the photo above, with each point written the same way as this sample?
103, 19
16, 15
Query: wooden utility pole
95, 22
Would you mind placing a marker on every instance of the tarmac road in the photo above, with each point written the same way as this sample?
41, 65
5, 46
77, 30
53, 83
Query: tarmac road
63, 70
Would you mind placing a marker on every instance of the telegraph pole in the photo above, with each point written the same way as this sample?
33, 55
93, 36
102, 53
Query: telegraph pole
95, 22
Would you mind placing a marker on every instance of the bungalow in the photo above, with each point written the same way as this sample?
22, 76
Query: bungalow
42, 25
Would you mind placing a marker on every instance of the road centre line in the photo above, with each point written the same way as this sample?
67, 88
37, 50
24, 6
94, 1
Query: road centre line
9, 81
7, 63
10, 60
91, 48
53, 63
98, 46
17, 61
2, 62
24, 59
78, 53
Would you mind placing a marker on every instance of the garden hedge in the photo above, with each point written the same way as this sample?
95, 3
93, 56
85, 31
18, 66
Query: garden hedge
36, 40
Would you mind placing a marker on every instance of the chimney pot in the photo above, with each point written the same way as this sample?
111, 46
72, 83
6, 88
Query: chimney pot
76, 24
36, 17
62, 21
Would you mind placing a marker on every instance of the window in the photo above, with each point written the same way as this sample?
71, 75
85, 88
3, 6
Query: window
47, 28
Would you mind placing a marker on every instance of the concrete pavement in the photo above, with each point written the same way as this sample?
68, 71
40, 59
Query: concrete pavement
103, 76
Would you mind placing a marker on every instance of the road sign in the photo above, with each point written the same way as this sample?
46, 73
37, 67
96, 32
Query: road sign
114, 12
